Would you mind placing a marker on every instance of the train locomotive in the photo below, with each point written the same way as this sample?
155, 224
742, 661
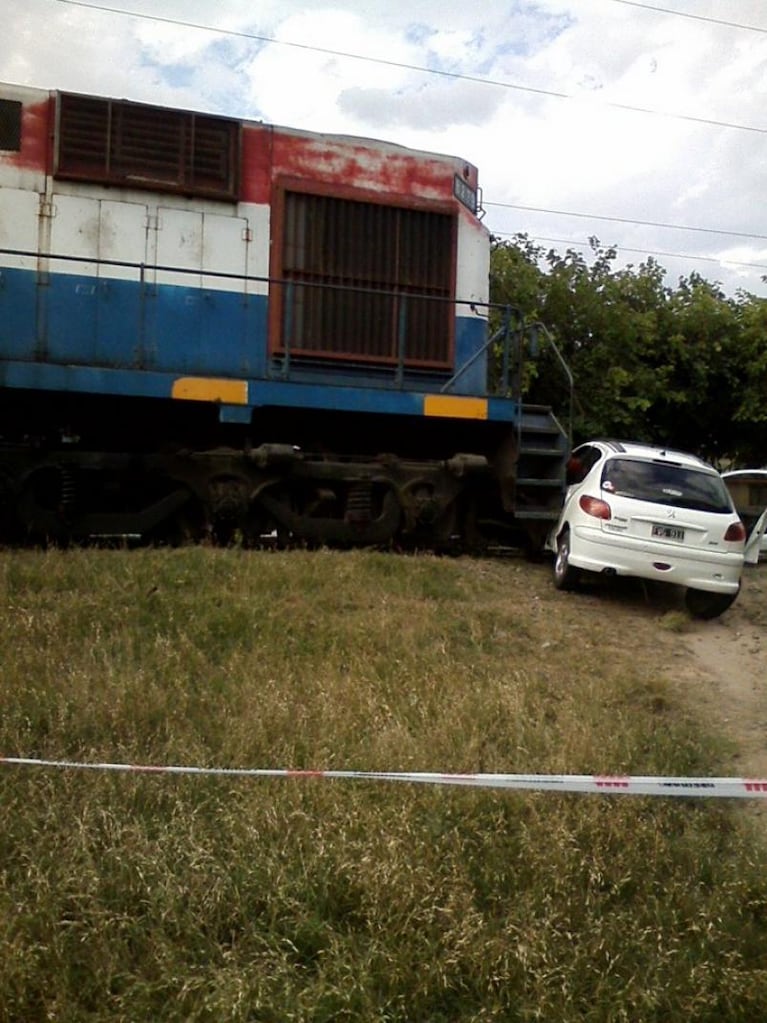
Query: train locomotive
216, 328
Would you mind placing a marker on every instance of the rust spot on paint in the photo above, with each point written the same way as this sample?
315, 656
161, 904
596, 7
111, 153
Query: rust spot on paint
271, 154
257, 164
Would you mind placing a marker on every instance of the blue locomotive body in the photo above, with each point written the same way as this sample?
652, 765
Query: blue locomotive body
215, 327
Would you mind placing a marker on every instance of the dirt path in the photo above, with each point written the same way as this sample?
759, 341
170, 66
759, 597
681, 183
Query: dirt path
727, 679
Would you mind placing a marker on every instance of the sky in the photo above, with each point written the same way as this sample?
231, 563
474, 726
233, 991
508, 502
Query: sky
638, 122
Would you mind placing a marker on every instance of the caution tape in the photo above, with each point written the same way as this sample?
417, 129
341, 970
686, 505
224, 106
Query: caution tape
631, 785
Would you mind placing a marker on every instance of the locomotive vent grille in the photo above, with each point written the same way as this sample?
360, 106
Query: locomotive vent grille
10, 125
366, 282
122, 143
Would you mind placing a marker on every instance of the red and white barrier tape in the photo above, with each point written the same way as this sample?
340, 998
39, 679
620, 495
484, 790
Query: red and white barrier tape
743, 788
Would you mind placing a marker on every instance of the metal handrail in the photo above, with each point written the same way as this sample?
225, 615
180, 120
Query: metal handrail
510, 334
401, 296
542, 328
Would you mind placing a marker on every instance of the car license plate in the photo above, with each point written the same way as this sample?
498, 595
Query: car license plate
668, 532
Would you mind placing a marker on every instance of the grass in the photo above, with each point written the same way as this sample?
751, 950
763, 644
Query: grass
163, 898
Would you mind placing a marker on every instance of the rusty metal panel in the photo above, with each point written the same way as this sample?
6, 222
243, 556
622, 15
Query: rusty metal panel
366, 281
117, 142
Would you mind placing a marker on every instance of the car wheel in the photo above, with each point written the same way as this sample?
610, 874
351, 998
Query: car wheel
705, 605
565, 575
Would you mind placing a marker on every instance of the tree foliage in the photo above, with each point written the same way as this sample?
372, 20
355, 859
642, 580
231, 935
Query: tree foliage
684, 366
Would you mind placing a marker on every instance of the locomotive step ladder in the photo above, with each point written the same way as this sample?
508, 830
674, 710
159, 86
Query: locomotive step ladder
543, 448
544, 439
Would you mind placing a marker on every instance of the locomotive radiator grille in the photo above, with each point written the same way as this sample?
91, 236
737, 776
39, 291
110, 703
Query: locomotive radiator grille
118, 142
366, 282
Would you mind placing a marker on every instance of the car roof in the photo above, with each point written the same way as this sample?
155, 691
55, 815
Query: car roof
636, 449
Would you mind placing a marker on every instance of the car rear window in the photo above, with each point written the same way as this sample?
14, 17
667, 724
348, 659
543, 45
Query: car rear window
663, 483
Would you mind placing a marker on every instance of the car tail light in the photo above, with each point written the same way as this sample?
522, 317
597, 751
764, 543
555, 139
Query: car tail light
596, 507
736, 532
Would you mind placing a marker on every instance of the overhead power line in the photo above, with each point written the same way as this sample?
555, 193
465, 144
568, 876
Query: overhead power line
626, 220
642, 252
496, 83
506, 85
692, 17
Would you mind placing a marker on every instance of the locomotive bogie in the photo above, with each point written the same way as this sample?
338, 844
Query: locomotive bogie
252, 496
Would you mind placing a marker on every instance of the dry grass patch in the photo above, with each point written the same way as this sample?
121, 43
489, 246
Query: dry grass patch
175, 898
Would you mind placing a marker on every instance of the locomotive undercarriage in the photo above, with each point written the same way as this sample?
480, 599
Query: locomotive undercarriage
272, 494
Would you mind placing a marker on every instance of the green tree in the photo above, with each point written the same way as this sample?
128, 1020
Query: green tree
751, 412
685, 366
702, 398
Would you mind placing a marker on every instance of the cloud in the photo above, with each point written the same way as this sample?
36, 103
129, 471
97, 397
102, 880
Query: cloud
432, 106
587, 153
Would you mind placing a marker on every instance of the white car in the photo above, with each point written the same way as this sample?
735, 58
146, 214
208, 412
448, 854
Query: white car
653, 513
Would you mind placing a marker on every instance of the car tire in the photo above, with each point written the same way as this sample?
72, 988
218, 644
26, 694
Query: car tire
706, 606
565, 575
